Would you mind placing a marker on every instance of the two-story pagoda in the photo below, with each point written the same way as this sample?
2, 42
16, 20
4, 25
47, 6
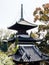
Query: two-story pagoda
26, 53
22, 26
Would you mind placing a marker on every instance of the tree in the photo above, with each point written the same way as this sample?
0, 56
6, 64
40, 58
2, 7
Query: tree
34, 35
42, 14
5, 59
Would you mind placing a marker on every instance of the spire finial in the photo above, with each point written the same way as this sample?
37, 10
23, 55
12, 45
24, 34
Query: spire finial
21, 11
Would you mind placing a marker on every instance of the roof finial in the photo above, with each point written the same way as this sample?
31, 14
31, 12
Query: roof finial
21, 11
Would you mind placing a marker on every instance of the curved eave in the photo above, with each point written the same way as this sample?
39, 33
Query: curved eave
18, 26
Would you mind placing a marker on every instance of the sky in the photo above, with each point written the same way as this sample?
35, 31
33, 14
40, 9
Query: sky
10, 11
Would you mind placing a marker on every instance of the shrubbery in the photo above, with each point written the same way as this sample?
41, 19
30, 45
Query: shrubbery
5, 60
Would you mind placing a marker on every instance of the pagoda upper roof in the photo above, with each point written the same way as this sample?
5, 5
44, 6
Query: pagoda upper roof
22, 25
24, 22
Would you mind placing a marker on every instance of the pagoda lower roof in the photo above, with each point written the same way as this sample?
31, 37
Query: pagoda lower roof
29, 54
29, 39
22, 25
25, 40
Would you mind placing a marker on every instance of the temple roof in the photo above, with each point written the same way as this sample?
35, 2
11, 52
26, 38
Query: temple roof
22, 25
24, 39
28, 54
24, 22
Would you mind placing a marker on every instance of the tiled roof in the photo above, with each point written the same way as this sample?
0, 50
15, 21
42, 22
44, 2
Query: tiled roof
28, 54
24, 22
22, 26
24, 40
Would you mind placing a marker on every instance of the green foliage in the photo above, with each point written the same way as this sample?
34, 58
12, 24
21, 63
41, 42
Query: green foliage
44, 18
5, 60
47, 36
44, 47
3, 46
34, 35
12, 35
12, 49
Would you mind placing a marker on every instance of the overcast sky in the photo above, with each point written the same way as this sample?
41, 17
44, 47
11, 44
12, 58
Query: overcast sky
10, 10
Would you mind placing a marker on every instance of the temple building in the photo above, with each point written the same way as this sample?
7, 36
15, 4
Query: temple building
22, 26
26, 53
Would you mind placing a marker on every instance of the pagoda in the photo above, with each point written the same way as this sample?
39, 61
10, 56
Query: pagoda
22, 25
26, 53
